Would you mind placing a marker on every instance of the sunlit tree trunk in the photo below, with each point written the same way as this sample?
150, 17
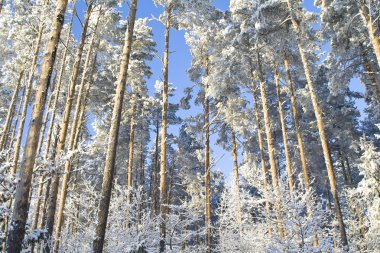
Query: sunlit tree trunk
21, 205
10, 113
284, 135
64, 128
72, 144
322, 134
16, 120
371, 74
366, 15
164, 126
109, 168
301, 147
270, 143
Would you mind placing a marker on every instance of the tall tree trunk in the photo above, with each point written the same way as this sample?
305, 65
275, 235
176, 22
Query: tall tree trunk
270, 143
109, 168
284, 135
164, 126
64, 128
16, 120
236, 171
130, 157
155, 172
371, 74
8, 120
206, 106
366, 15
27, 96
297, 125
72, 144
59, 83
83, 110
21, 205
322, 134
262, 156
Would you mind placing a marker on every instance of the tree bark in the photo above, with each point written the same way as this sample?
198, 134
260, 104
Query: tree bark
163, 134
12, 105
64, 128
155, 172
322, 134
236, 171
297, 125
206, 105
371, 74
109, 168
27, 96
58, 86
284, 135
72, 144
270, 143
130, 157
366, 15
21, 205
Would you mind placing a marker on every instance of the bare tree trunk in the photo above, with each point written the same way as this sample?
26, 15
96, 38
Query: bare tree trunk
109, 168
261, 148
236, 171
64, 128
12, 105
270, 143
163, 134
155, 172
206, 106
371, 73
72, 144
21, 205
27, 96
322, 134
284, 135
366, 15
17, 118
58, 86
130, 157
297, 125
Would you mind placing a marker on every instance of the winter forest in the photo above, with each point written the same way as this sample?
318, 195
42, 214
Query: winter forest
272, 145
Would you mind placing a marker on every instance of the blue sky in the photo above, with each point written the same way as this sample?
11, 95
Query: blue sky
179, 62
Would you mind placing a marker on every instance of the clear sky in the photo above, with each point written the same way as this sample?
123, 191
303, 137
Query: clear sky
179, 62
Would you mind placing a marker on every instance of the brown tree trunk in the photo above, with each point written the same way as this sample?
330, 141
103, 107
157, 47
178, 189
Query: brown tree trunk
1, 5
58, 85
109, 168
155, 173
21, 205
27, 96
8, 120
322, 134
16, 120
164, 126
371, 74
284, 135
64, 128
262, 156
72, 144
366, 15
236, 171
270, 143
130, 157
297, 125
206, 105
